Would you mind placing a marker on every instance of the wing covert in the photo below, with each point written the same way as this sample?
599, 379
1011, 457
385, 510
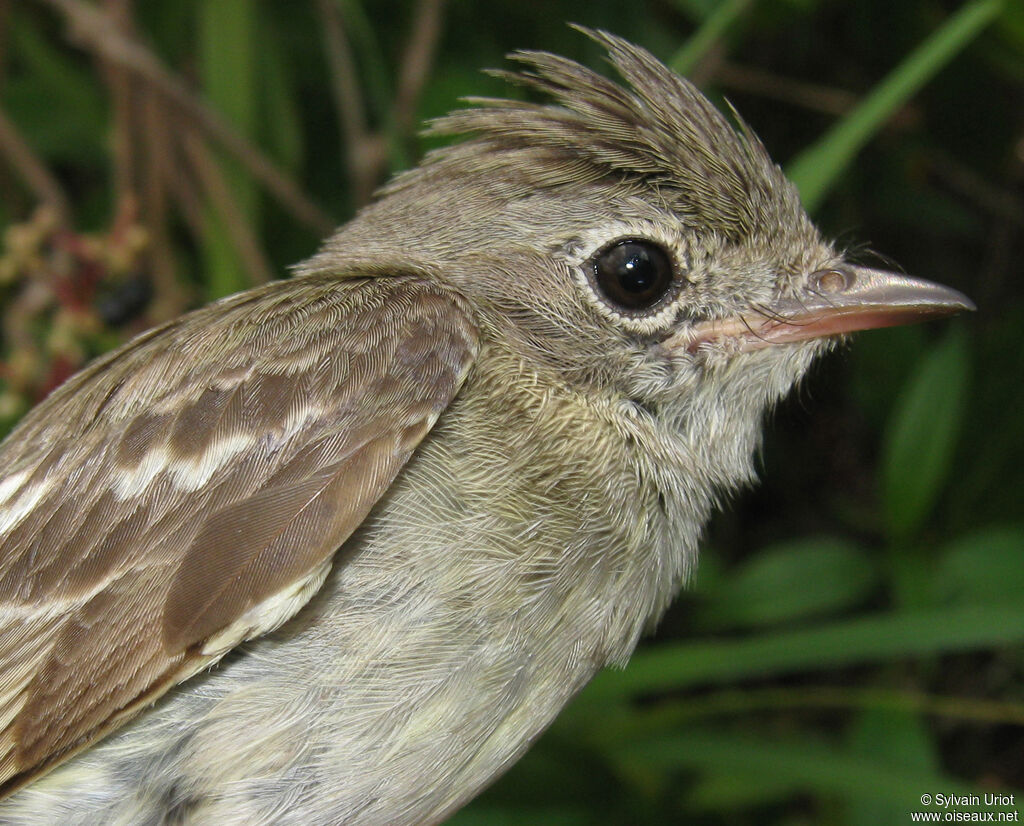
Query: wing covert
155, 502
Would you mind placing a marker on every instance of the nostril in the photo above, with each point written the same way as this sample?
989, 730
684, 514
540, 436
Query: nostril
829, 281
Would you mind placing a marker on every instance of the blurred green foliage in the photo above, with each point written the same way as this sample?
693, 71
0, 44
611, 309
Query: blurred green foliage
853, 637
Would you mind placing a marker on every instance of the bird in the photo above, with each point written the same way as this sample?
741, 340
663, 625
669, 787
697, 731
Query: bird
338, 549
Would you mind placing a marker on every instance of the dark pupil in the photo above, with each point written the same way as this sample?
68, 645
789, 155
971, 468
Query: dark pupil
633, 274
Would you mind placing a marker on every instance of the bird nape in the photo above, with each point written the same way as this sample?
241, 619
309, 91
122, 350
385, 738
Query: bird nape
411, 500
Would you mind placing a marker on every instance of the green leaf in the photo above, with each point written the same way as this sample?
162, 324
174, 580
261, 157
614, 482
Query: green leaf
227, 35
699, 10
786, 582
877, 638
68, 126
281, 122
227, 42
816, 767
921, 436
896, 738
983, 568
731, 790
879, 365
520, 816
711, 31
374, 69
816, 169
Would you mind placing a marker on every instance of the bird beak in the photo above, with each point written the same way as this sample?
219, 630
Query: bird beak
834, 301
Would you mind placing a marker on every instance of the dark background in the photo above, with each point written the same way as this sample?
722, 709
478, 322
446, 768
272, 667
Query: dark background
852, 639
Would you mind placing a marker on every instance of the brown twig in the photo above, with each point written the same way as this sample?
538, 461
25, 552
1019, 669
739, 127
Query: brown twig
95, 30
219, 192
20, 314
363, 155
419, 54
169, 299
5, 30
120, 84
141, 149
183, 188
992, 198
36, 176
756, 81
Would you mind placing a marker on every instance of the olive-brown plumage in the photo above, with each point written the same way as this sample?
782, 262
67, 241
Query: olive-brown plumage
437, 480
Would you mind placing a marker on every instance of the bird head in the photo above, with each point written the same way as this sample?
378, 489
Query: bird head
630, 243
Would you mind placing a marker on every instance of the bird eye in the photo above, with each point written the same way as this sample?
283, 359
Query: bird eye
633, 274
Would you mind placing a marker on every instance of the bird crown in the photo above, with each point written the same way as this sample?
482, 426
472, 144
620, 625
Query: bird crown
658, 129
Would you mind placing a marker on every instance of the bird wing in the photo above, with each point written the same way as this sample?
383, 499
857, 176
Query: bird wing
188, 491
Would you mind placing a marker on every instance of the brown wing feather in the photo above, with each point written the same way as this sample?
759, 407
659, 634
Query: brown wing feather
174, 488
